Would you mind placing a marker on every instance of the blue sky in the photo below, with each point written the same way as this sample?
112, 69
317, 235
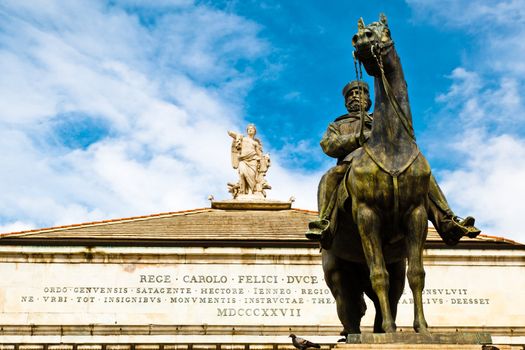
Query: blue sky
119, 108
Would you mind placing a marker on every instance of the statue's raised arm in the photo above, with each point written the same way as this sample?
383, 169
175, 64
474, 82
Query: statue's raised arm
235, 148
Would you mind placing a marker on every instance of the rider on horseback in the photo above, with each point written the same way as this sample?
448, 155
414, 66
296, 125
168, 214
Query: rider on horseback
339, 141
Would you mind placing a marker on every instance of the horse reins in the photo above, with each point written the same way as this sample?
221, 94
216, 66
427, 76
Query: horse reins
391, 98
359, 77
404, 121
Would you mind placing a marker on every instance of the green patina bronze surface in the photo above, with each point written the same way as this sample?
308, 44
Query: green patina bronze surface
374, 205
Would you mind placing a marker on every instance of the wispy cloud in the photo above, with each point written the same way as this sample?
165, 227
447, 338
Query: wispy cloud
107, 112
484, 102
469, 15
490, 185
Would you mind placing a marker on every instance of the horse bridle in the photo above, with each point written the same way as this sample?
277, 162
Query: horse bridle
379, 48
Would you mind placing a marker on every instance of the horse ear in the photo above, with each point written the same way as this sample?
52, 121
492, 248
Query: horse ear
360, 24
382, 19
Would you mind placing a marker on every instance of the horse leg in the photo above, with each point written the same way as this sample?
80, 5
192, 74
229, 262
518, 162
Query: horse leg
342, 278
416, 235
368, 223
378, 319
396, 272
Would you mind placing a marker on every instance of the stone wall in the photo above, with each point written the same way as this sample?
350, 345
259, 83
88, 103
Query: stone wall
238, 295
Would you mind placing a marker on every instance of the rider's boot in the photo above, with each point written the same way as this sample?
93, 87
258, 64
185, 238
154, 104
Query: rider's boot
452, 228
317, 228
320, 227
449, 226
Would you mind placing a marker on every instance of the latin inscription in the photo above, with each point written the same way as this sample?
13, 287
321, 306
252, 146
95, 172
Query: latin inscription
155, 278
231, 296
217, 293
441, 296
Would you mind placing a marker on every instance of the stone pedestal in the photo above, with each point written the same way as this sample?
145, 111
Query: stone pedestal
409, 347
402, 341
251, 204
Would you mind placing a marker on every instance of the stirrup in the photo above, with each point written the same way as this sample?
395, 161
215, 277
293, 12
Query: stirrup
466, 226
316, 229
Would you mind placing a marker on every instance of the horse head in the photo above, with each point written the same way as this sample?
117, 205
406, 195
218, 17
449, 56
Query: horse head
372, 43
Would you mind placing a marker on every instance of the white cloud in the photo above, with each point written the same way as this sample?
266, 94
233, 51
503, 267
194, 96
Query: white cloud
300, 185
159, 4
155, 98
16, 226
473, 15
490, 186
479, 101
485, 104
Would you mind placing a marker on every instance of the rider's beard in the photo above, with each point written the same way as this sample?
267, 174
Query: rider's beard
354, 105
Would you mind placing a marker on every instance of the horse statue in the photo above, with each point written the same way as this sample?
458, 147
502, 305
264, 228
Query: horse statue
382, 217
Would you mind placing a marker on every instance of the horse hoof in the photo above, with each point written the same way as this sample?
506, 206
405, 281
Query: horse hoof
390, 328
421, 328
423, 331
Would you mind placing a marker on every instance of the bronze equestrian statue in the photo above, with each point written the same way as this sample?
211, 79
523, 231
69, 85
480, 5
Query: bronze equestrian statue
378, 213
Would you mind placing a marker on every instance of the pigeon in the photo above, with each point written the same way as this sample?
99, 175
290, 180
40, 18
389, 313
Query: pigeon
303, 344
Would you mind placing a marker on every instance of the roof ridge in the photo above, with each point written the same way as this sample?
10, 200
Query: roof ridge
305, 210
500, 239
119, 220
22, 233
109, 221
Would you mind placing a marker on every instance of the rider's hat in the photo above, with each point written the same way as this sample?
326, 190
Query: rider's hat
354, 85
